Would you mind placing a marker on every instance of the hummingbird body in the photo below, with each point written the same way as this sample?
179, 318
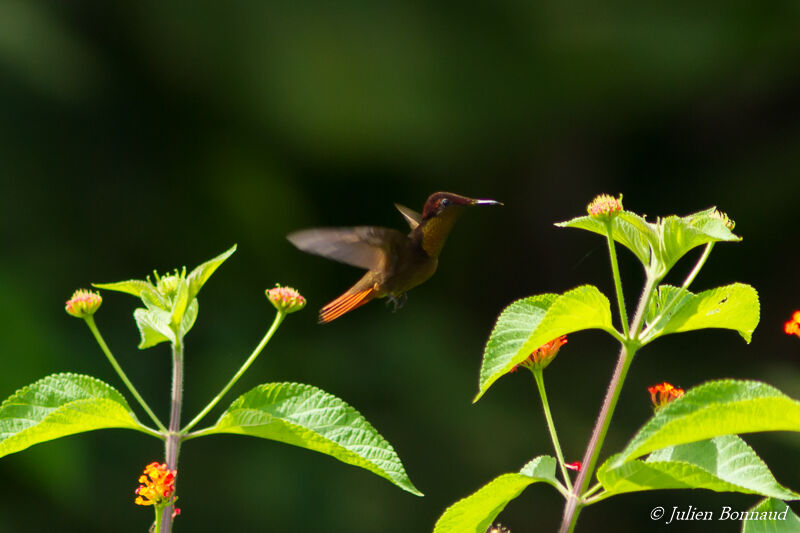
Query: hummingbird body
395, 262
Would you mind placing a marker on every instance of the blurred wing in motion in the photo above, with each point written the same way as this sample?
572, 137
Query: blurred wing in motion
363, 246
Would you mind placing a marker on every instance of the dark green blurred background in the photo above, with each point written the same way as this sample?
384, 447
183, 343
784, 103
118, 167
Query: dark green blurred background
157, 134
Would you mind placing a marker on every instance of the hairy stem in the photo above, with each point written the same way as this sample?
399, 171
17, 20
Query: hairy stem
173, 442
537, 374
111, 359
612, 253
626, 354
275, 323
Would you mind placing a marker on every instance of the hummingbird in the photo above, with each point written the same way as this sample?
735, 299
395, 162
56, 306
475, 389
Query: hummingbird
395, 262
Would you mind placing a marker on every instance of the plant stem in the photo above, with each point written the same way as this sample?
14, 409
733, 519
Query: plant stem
626, 354
612, 252
173, 442
537, 374
688, 281
273, 328
111, 359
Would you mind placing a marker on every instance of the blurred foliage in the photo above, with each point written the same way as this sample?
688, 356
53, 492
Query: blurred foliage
147, 135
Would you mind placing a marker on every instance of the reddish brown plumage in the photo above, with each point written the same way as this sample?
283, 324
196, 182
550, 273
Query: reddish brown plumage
345, 303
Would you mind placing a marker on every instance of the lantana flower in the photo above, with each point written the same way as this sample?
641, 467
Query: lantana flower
543, 355
792, 327
286, 299
662, 394
157, 485
83, 303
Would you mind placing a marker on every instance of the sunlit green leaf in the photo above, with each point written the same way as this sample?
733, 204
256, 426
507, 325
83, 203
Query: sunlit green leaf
733, 307
529, 323
189, 317
475, 513
721, 464
678, 235
770, 516
305, 416
153, 327
132, 286
200, 275
61, 405
627, 228
716, 408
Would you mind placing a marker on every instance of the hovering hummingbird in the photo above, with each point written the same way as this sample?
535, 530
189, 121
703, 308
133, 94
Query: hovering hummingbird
395, 263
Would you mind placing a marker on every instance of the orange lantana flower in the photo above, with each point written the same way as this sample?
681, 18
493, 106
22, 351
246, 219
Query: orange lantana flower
663, 393
157, 485
792, 327
543, 355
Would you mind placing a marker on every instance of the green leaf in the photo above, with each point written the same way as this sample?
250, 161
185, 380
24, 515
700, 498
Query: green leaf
189, 317
721, 464
733, 307
475, 513
153, 327
678, 235
200, 275
61, 405
179, 303
769, 516
716, 408
305, 416
132, 286
527, 324
627, 228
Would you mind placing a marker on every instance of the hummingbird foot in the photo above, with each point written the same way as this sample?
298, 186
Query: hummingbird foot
397, 302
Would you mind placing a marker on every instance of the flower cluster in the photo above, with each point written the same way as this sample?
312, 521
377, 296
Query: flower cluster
286, 299
543, 355
83, 303
792, 327
662, 394
157, 485
498, 528
604, 206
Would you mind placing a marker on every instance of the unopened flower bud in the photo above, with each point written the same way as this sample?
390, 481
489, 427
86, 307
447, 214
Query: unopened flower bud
724, 218
286, 299
83, 303
604, 206
575, 465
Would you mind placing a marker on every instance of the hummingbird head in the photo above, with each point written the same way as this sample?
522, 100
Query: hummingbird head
439, 203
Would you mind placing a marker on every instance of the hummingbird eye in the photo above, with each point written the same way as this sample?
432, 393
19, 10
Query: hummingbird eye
444, 202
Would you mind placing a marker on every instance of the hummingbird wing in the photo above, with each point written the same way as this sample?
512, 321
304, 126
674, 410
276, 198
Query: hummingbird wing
366, 247
412, 217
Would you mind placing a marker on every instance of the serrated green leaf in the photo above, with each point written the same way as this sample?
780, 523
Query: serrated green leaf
678, 235
61, 405
721, 464
733, 307
627, 228
476, 512
198, 277
716, 408
132, 286
527, 324
771, 516
305, 416
153, 327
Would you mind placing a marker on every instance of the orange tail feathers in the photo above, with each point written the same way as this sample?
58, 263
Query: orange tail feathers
345, 303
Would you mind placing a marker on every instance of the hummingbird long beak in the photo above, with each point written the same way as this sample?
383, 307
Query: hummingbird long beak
486, 202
